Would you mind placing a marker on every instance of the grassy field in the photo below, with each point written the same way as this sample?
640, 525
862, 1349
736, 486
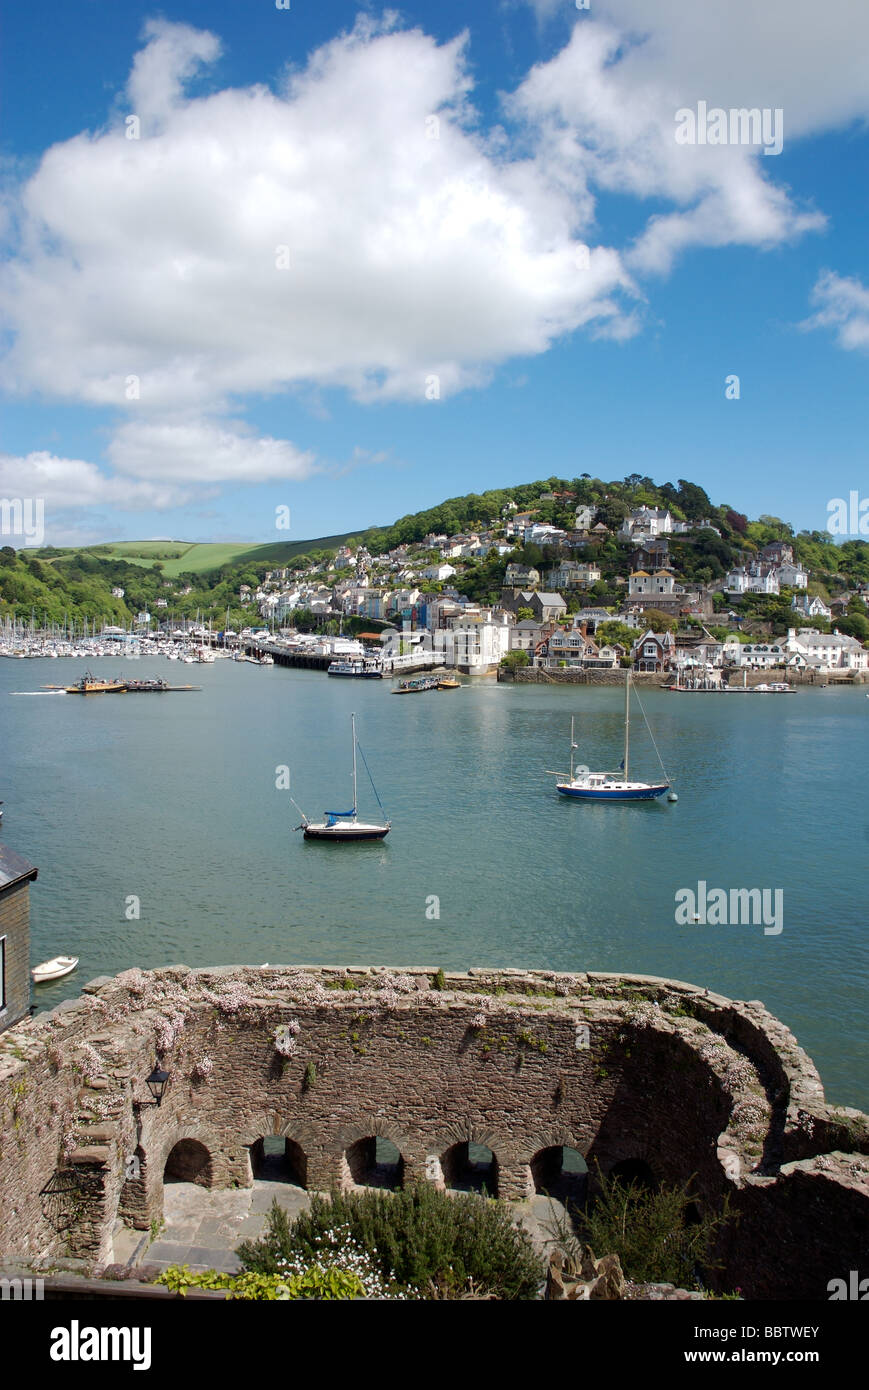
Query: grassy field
192, 557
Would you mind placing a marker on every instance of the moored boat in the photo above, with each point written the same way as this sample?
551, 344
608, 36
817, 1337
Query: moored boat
53, 969
346, 825
610, 786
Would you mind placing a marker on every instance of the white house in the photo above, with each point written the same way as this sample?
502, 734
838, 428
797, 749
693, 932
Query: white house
541, 533
475, 648
439, 573
645, 521
829, 651
793, 575
743, 581
811, 607
761, 655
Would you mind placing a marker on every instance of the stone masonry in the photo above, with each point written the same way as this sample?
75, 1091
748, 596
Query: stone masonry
622, 1068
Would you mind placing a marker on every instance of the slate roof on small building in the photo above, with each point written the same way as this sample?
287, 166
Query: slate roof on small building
14, 868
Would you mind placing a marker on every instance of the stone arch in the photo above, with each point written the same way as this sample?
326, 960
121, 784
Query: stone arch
299, 1143
273, 1122
157, 1150
373, 1154
468, 1166
189, 1161
560, 1171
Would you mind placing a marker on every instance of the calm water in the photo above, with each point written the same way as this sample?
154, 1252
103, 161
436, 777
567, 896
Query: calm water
174, 801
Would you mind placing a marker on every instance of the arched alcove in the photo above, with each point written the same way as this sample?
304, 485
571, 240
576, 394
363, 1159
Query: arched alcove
189, 1161
276, 1159
470, 1167
374, 1161
561, 1172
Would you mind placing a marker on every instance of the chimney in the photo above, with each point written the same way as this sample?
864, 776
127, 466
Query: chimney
583, 630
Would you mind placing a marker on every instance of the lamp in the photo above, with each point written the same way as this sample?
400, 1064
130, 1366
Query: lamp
156, 1083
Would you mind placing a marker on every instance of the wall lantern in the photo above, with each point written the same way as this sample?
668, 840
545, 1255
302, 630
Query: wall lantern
156, 1083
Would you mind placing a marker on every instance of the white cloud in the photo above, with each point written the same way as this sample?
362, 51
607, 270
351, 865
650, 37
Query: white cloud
66, 484
604, 109
172, 54
843, 304
406, 255
205, 452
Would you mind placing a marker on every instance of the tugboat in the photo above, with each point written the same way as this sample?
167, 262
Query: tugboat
89, 685
345, 825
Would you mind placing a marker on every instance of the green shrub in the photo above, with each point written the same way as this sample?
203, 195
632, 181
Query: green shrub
420, 1240
649, 1231
315, 1282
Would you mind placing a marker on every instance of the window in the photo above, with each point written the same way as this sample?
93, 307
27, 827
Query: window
2, 972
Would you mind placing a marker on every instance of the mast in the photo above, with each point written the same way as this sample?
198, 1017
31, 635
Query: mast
572, 746
627, 718
353, 727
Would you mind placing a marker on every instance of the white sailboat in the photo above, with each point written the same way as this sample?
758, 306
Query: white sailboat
610, 786
345, 825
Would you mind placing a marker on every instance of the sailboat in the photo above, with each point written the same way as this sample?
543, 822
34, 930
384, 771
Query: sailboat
610, 786
345, 825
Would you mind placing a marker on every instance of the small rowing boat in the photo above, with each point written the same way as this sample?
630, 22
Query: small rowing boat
53, 969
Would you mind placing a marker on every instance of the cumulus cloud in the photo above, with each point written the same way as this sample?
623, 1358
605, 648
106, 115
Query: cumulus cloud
360, 228
65, 484
353, 229
604, 111
843, 304
204, 451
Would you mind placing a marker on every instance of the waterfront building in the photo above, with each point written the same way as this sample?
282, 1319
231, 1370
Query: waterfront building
16, 876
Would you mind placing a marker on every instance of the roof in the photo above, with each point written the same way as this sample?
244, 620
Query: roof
14, 868
549, 598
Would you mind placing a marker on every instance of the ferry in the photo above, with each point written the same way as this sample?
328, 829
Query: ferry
417, 686
363, 668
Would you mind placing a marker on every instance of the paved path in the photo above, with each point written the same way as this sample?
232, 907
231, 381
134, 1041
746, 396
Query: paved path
202, 1228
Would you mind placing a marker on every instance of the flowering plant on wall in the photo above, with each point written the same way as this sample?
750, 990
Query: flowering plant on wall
285, 1039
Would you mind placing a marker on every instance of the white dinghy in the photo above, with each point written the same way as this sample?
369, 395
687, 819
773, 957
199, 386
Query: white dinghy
53, 969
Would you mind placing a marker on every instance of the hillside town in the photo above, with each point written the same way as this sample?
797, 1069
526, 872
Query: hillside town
601, 597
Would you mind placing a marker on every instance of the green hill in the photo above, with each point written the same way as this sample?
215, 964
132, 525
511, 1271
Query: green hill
191, 577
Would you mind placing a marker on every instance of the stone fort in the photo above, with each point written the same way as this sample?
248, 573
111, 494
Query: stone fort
638, 1075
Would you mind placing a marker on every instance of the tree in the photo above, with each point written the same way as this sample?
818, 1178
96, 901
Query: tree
614, 631
515, 658
525, 614
658, 621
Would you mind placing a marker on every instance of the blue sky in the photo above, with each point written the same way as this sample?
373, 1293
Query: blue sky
163, 375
